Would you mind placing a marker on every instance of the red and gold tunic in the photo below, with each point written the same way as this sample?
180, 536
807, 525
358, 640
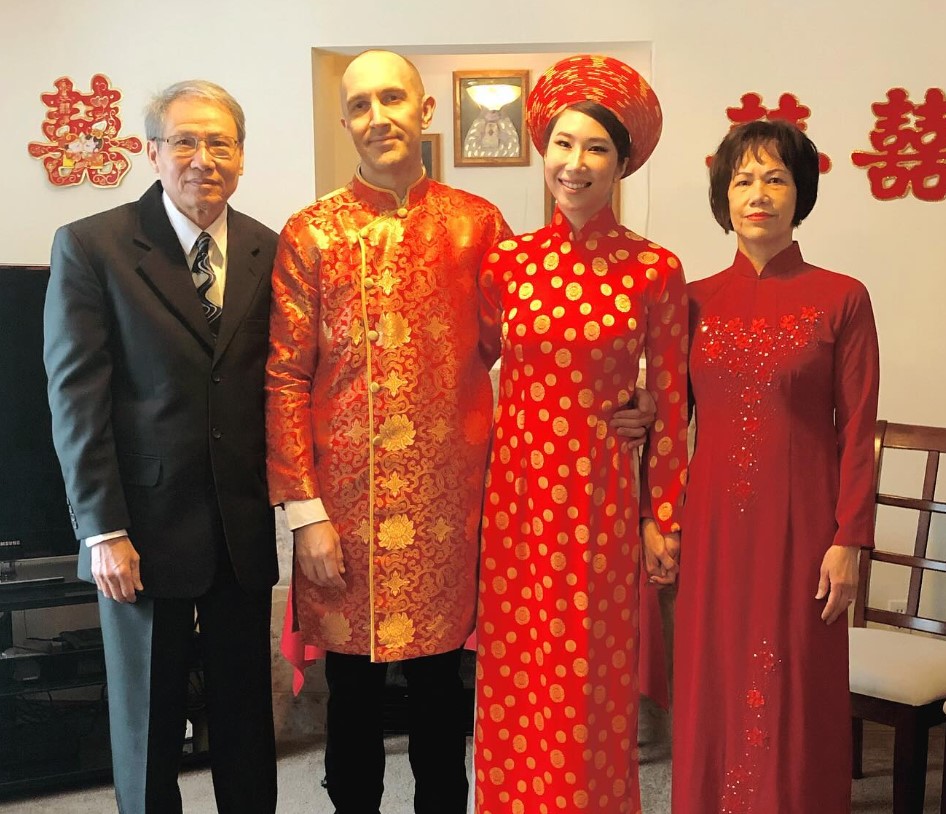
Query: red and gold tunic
556, 723
378, 402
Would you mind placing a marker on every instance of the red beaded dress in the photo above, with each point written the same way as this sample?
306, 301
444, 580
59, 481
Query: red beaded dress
784, 375
557, 687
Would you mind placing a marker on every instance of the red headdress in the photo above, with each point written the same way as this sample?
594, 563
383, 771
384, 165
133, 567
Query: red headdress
610, 83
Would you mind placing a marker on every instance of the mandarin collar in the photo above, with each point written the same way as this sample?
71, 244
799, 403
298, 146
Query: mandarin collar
384, 200
786, 260
602, 222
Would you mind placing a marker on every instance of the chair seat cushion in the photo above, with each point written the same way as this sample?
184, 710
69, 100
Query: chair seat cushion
902, 667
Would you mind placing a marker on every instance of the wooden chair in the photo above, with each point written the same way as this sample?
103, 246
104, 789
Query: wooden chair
898, 676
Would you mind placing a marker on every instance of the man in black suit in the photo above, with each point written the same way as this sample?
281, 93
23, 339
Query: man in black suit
156, 391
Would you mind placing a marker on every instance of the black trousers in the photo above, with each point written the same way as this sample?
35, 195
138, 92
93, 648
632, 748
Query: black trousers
354, 750
148, 648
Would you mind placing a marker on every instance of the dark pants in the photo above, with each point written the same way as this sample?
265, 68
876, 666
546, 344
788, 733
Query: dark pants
354, 751
148, 647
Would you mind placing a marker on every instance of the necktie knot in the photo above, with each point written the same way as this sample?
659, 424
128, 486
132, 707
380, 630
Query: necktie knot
203, 245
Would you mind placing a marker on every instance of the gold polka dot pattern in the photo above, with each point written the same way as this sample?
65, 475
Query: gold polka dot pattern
556, 722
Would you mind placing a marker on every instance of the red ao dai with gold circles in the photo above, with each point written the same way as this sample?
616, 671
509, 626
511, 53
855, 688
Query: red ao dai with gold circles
556, 722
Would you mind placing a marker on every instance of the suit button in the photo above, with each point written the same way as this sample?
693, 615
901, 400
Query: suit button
374, 387
215, 432
373, 336
369, 284
402, 212
215, 378
376, 440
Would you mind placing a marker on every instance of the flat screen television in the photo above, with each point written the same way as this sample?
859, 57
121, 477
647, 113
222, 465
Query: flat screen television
34, 516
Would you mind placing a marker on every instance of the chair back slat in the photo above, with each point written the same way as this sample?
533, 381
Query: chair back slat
917, 504
909, 561
913, 436
905, 620
932, 441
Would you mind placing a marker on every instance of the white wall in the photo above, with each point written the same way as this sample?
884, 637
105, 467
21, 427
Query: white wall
143, 47
837, 57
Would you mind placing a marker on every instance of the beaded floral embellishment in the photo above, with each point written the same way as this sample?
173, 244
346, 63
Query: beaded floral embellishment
742, 779
752, 355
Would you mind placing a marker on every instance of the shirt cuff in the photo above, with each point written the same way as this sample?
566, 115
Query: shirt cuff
303, 512
95, 539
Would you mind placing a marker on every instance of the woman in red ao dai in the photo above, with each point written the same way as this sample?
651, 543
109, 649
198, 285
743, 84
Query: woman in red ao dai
784, 373
582, 299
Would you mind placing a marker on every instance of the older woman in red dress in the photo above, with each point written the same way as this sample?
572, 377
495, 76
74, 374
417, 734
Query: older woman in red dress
784, 376
582, 299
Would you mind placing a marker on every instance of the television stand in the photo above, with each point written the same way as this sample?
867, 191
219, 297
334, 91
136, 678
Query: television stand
11, 578
51, 735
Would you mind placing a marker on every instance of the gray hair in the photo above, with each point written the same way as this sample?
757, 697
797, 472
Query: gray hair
157, 108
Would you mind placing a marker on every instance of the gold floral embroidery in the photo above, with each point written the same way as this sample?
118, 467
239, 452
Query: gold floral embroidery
395, 582
335, 628
387, 281
363, 531
393, 383
396, 631
396, 532
356, 333
440, 430
394, 484
357, 432
441, 529
397, 433
438, 627
395, 331
437, 328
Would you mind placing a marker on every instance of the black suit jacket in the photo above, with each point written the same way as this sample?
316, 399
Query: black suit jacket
159, 429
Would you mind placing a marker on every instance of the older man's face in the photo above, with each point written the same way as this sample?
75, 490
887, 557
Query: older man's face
385, 111
199, 185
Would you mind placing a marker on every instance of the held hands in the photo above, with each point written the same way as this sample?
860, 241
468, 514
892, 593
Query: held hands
115, 569
633, 421
319, 554
838, 580
661, 553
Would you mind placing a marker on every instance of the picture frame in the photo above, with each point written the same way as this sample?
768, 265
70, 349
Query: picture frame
431, 155
489, 118
615, 202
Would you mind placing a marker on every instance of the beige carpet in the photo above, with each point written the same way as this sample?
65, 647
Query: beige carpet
300, 772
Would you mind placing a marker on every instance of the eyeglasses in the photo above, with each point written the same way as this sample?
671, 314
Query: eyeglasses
222, 147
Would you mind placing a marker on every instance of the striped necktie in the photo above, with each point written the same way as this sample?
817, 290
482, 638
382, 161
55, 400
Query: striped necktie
204, 278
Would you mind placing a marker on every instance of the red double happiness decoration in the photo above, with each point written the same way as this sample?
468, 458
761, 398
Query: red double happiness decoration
82, 135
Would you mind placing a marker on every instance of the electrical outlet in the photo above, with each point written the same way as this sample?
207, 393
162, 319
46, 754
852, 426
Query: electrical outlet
897, 605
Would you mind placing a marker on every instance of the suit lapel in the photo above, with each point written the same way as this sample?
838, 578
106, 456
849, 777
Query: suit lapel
163, 267
245, 274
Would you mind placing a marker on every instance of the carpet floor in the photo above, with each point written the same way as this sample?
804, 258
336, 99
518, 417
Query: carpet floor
301, 770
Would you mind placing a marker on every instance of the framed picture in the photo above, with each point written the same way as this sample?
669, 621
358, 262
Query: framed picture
615, 203
430, 155
489, 119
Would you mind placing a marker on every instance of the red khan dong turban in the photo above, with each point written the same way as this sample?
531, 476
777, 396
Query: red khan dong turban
610, 83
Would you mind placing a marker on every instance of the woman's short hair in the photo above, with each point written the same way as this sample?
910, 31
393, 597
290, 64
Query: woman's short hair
192, 88
604, 117
796, 151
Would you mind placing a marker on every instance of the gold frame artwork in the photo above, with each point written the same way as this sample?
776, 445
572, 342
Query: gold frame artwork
431, 155
615, 203
500, 135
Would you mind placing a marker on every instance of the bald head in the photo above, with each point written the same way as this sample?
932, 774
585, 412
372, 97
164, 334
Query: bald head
375, 67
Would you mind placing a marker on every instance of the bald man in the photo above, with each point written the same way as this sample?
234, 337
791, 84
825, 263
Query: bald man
378, 416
